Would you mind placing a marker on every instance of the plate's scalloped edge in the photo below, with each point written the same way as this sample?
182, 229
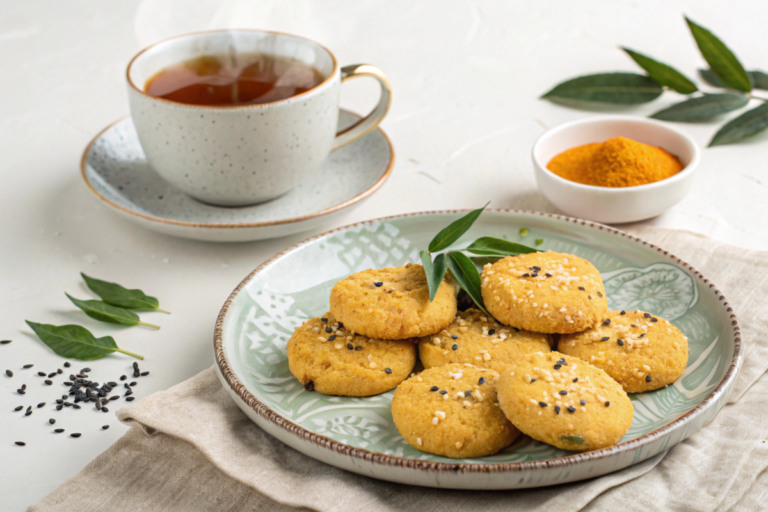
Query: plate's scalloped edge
390, 460
218, 225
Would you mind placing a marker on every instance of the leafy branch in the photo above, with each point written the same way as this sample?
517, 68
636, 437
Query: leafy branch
725, 72
462, 267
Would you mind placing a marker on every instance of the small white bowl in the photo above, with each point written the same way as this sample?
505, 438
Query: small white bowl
614, 205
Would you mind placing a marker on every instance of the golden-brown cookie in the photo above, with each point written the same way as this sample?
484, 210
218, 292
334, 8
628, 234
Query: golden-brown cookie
563, 401
544, 292
327, 358
640, 351
475, 338
392, 303
452, 411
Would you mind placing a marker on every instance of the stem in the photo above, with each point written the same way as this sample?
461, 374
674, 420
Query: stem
137, 356
757, 97
162, 310
149, 325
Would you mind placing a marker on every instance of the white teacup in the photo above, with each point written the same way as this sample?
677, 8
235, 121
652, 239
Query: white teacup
241, 155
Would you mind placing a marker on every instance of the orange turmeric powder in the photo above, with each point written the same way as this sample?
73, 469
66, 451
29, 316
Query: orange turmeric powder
617, 162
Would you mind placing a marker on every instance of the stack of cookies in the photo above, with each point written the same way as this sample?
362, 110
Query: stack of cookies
488, 378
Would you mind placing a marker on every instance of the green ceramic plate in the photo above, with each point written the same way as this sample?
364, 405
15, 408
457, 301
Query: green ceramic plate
358, 434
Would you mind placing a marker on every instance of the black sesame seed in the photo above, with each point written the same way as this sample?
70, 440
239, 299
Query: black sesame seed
557, 409
104, 409
378, 283
144, 374
443, 392
350, 346
654, 319
454, 346
623, 312
620, 342
131, 398
633, 325
331, 337
562, 361
59, 401
387, 370
123, 377
491, 331
543, 404
583, 402
434, 388
533, 380
41, 404
536, 268
42, 374
135, 365
66, 364
607, 404
59, 371
85, 370
468, 392
136, 373
558, 366
605, 338
9, 373
582, 288
309, 386
324, 320
27, 366
571, 409
563, 392
114, 397
104, 427
58, 407
548, 274
481, 381
454, 336
535, 274
516, 329
112, 384
98, 406
128, 393
5, 342
49, 382
358, 348
76, 434
641, 335
600, 295
67, 383
19, 408
341, 325
606, 321
21, 443
75, 406
82, 376
20, 391
647, 378
646, 315
51, 375
576, 379
59, 430
51, 421
28, 412
328, 329
589, 297
133, 383
526, 275
72, 377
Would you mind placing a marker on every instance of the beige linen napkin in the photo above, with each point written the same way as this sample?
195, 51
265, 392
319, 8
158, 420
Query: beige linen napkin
190, 447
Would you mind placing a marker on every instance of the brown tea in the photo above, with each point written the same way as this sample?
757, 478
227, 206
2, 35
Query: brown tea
231, 80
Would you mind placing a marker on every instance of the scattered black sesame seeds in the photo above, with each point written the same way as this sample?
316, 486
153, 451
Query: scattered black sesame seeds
388, 370
66, 364
582, 288
557, 409
40, 405
563, 392
543, 404
641, 335
328, 330
144, 374
76, 434
576, 379
5, 342
443, 392
623, 312
454, 346
600, 295
324, 320
51, 421
533, 380
309, 386
605, 338
49, 382
468, 392
358, 348
481, 381
571, 409
21, 443
19, 408
491, 332
350, 346
20, 391
558, 366
131, 398
607, 321
28, 366
654, 319
331, 337
434, 388
104, 427
42, 374
648, 378
377, 284
607, 404
123, 377
646, 315
59, 430
454, 336
620, 342
548, 274
583, 402
526, 275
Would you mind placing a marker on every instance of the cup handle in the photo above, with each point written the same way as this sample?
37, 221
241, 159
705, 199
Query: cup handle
372, 120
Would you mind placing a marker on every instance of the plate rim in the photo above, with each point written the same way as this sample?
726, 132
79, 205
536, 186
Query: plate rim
221, 225
460, 467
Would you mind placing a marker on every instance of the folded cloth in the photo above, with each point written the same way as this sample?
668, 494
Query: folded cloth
191, 448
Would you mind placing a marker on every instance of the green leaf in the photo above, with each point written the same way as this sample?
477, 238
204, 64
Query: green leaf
574, 439
468, 277
663, 74
455, 229
111, 314
711, 78
434, 271
759, 80
116, 295
77, 342
491, 246
613, 88
747, 124
720, 59
703, 107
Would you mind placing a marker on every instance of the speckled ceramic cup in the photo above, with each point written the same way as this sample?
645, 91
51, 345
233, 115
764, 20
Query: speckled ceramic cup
242, 155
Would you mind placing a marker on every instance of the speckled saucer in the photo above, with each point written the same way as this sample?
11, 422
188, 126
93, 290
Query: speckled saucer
116, 171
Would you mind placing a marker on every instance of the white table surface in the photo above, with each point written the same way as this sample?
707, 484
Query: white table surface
466, 78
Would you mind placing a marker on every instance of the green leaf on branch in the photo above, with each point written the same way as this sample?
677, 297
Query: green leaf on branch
611, 88
663, 74
106, 313
77, 342
759, 80
703, 107
455, 229
116, 295
435, 271
711, 78
746, 125
720, 59
490, 246
468, 277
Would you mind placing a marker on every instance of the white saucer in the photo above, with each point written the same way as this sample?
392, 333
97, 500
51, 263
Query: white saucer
116, 171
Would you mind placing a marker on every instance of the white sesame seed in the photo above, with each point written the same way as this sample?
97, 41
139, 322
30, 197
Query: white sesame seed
440, 414
435, 420
418, 441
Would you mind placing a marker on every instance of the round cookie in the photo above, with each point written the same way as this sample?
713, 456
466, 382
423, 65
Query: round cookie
562, 401
452, 411
475, 338
393, 303
544, 292
327, 358
640, 351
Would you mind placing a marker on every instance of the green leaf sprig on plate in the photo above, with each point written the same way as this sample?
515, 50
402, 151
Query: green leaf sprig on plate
725, 72
461, 266
77, 342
